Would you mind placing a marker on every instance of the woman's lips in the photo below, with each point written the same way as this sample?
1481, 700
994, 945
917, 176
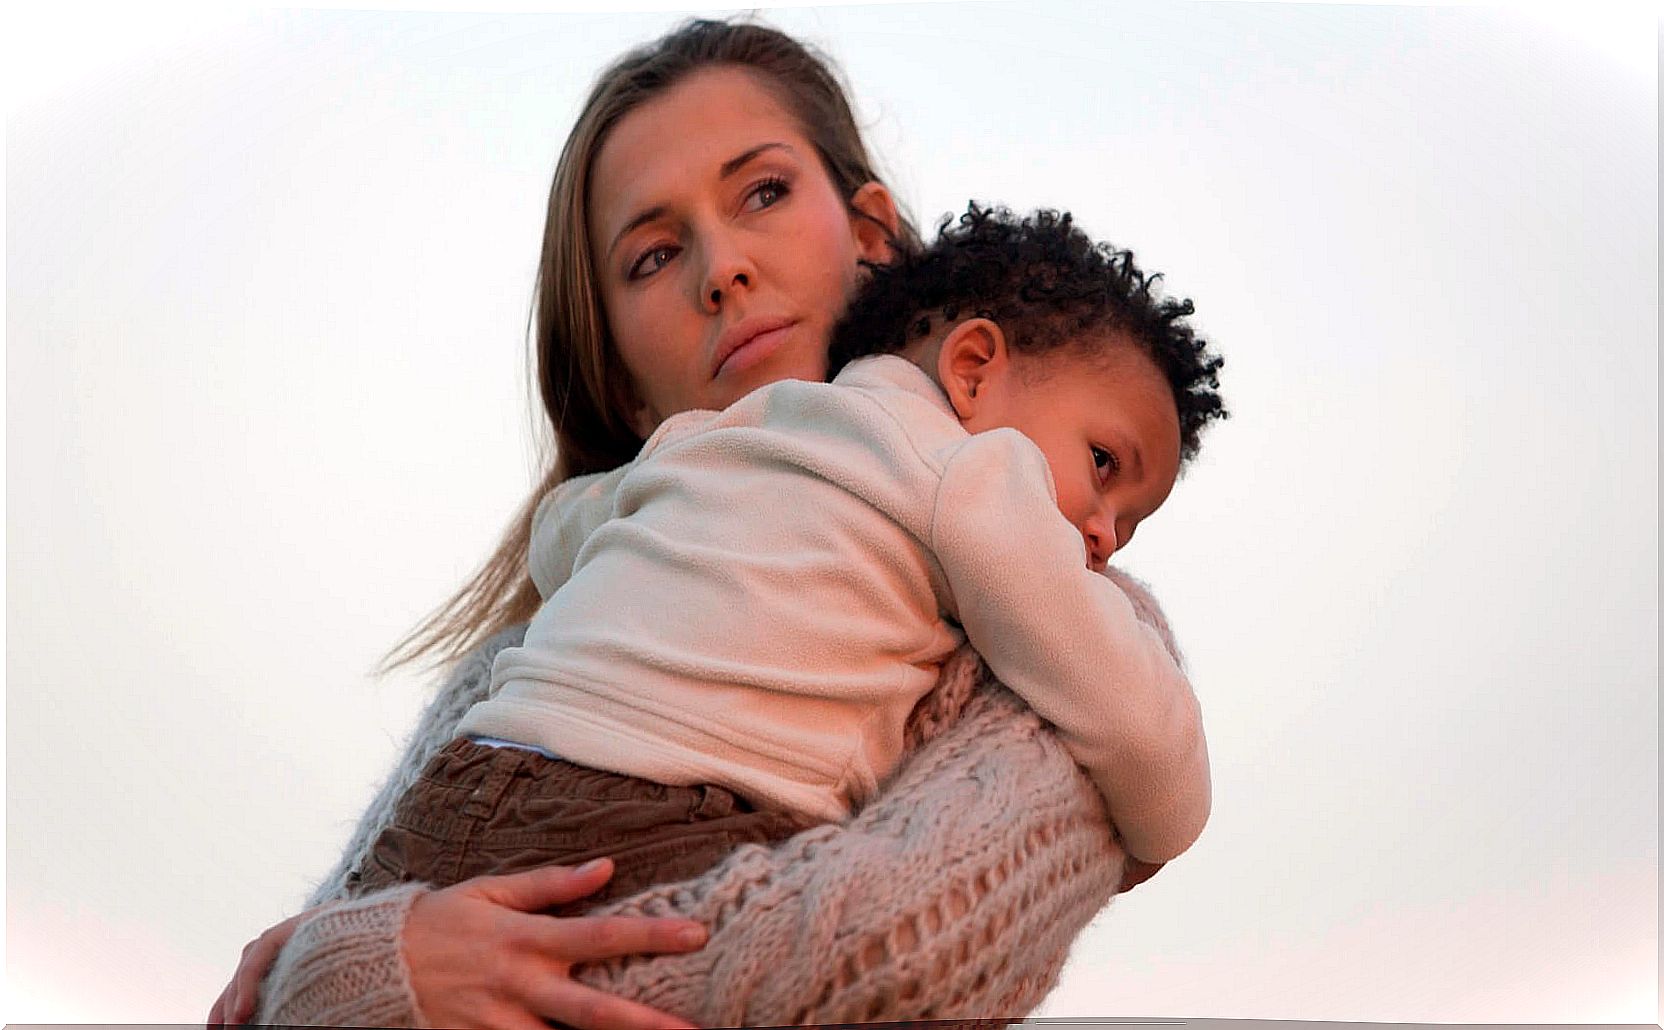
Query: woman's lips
754, 350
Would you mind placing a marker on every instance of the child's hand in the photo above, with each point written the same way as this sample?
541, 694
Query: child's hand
1137, 872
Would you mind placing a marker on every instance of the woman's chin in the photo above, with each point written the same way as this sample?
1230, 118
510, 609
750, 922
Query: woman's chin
736, 383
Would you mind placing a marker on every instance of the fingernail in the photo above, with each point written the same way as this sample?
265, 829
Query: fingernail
691, 937
592, 865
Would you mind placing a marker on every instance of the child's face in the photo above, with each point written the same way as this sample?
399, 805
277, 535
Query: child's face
1108, 427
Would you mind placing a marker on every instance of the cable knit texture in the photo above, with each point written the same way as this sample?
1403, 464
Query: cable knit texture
954, 894
350, 956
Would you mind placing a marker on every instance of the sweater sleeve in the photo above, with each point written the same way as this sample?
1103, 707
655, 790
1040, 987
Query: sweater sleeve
954, 893
343, 966
1069, 643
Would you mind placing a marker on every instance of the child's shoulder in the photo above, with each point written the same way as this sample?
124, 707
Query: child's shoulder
882, 402
882, 387
907, 396
594, 488
882, 371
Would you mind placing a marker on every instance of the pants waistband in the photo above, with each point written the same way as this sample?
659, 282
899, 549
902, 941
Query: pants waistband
516, 745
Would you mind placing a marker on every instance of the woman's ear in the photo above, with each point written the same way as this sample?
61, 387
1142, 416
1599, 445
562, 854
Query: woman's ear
973, 366
875, 221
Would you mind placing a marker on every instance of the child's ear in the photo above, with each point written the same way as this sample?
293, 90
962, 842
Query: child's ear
971, 365
875, 220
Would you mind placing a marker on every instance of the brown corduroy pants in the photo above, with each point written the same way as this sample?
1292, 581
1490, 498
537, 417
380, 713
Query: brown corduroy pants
478, 809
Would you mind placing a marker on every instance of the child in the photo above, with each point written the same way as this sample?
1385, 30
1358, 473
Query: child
737, 623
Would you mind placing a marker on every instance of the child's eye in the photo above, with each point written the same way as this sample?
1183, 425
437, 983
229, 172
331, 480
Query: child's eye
1105, 462
767, 193
652, 261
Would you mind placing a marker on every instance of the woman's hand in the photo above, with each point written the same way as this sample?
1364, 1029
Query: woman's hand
1137, 872
235, 1005
480, 956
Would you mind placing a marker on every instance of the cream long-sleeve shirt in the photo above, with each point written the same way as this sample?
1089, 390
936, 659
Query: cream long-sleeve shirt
761, 597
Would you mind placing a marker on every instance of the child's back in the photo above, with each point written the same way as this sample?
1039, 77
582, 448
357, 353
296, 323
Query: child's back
761, 601
757, 601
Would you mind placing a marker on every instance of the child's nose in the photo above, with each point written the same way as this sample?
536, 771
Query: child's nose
1100, 542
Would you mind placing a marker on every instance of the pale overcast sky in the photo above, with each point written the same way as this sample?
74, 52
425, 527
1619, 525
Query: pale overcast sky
267, 287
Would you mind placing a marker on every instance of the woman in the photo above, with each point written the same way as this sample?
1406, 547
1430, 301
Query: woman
714, 191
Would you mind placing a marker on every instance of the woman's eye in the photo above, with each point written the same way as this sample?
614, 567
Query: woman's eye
652, 261
767, 193
1105, 462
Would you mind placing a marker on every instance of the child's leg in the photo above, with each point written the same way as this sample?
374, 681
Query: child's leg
428, 836
478, 809
660, 834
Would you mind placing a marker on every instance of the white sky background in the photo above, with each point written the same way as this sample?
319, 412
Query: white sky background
267, 285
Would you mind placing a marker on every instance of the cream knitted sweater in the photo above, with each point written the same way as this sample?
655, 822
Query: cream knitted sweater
953, 894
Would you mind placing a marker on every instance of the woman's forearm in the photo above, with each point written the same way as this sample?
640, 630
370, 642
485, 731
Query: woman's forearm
954, 893
343, 966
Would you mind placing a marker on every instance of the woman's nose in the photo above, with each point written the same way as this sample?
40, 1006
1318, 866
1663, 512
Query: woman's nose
729, 271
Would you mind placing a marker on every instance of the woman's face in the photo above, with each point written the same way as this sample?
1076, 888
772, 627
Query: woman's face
723, 252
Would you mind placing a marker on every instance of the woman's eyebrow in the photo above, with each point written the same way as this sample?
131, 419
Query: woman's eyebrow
729, 167
633, 224
733, 165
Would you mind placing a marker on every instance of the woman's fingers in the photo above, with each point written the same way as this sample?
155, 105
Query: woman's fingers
228, 1009
570, 1003
545, 887
255, 964
477, 957
235, 1004
245, 987
216, 1015
1136, 872
590, 939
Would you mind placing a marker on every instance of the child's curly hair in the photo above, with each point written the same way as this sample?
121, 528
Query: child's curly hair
1047, 286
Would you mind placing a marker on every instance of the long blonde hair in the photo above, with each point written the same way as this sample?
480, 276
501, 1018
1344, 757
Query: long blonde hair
582, 383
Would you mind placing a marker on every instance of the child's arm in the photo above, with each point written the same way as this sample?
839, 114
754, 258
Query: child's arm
562, 523
1068, 642
575, 509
